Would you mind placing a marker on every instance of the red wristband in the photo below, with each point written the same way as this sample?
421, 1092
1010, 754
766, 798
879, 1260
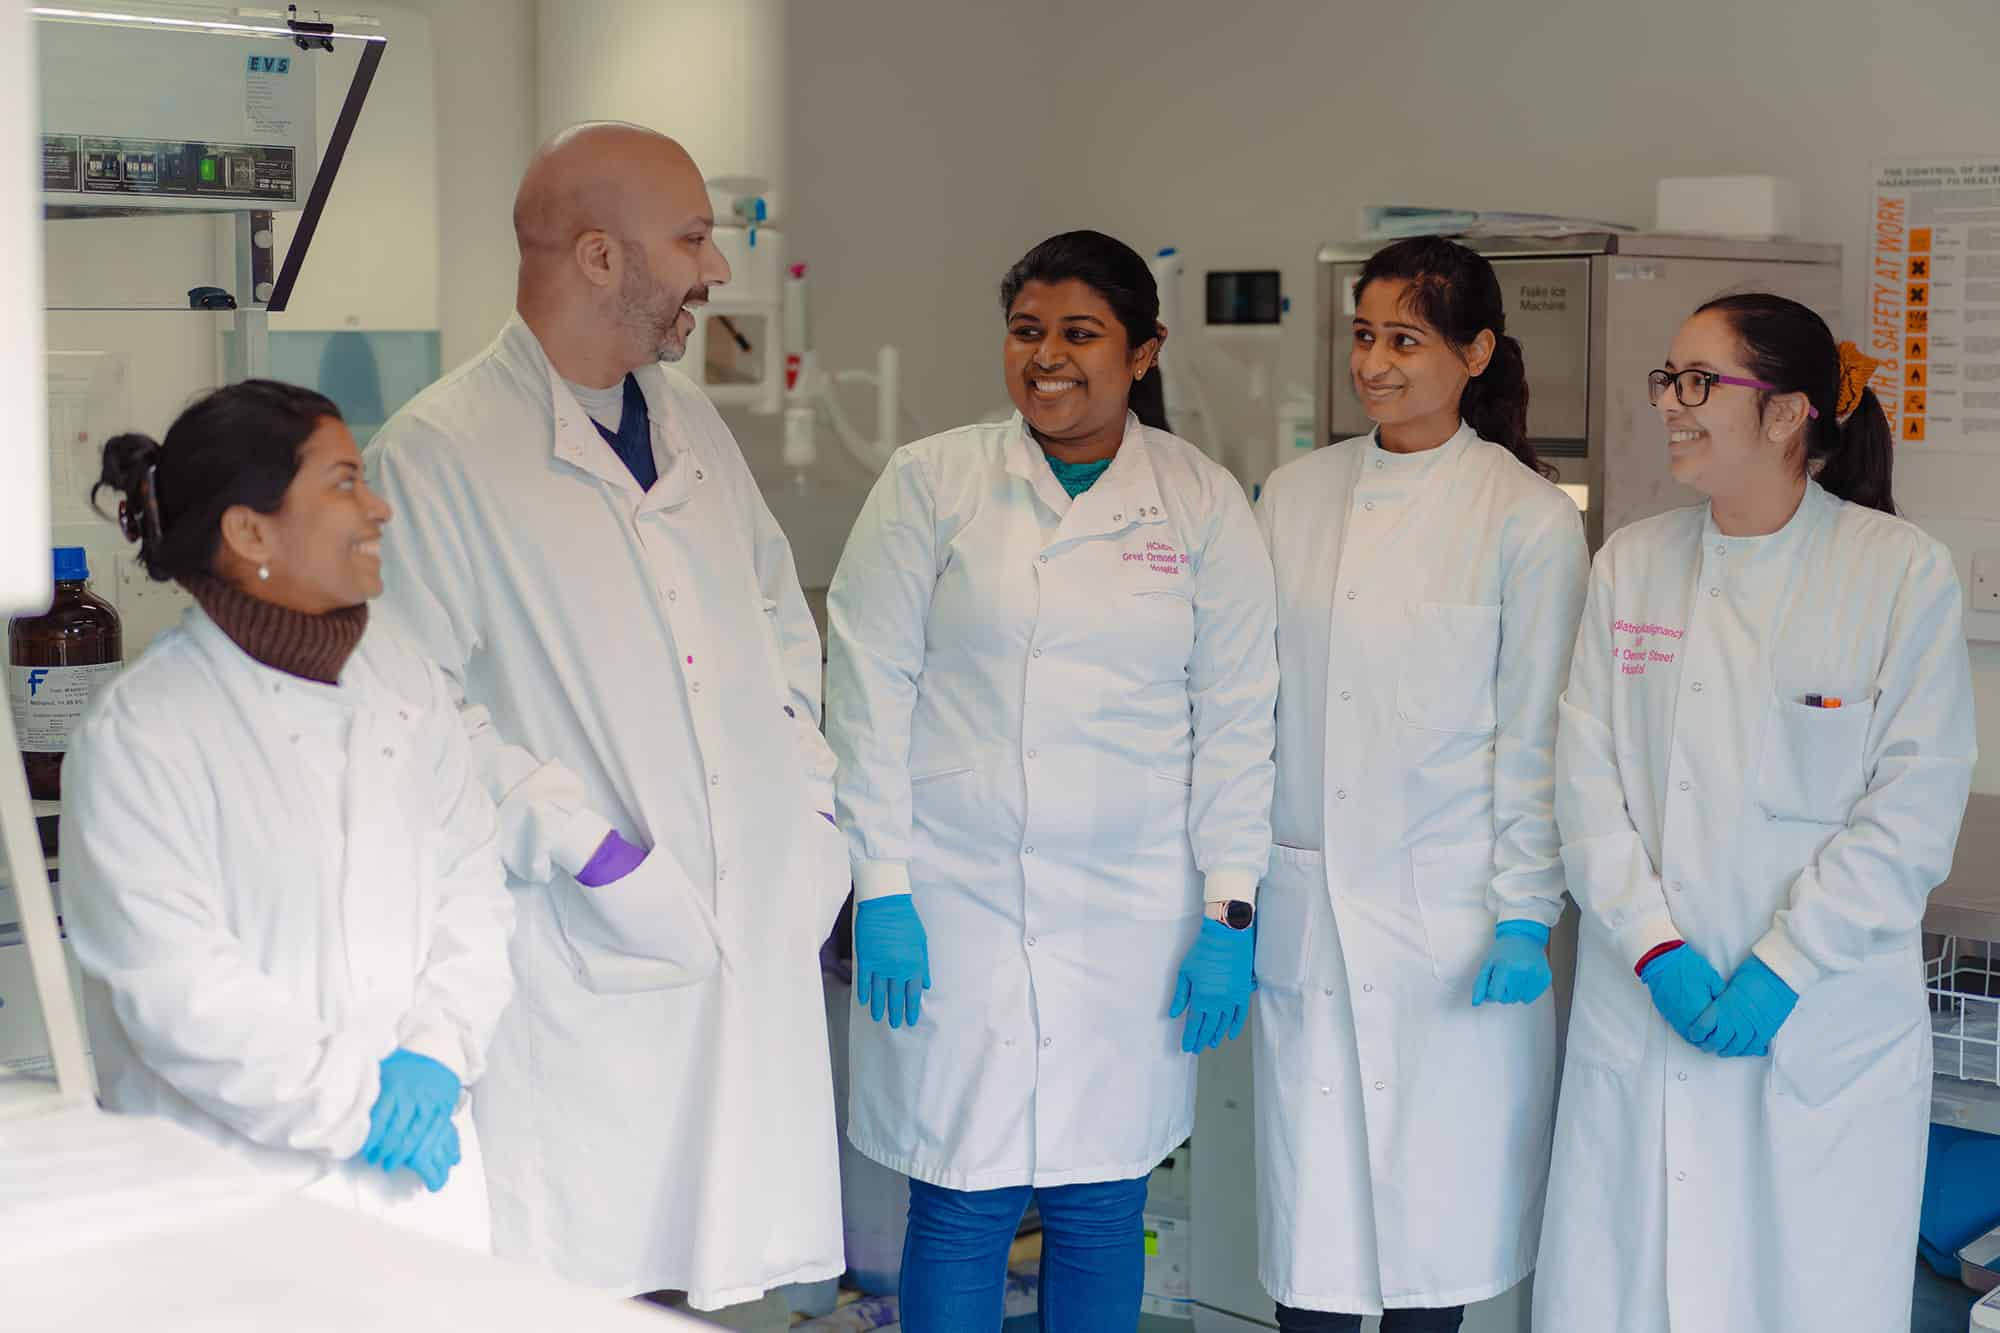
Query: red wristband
1655, 952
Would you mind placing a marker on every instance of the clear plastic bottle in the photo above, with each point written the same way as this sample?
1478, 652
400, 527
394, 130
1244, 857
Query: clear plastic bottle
57, 663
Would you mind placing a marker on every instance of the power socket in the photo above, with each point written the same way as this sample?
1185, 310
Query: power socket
1986, 580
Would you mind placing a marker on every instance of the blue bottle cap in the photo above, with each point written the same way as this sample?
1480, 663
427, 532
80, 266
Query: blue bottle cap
72, 564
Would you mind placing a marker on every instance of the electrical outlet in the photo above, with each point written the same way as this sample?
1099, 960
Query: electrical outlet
1986, 580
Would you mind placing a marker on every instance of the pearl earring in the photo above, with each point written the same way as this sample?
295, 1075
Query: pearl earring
263, 573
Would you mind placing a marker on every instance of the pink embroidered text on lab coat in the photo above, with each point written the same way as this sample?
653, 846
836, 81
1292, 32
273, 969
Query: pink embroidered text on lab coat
1159, 557
1634, 656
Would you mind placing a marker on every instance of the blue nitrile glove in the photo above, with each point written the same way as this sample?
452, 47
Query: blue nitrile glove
1214, 985
1683, 984
1748, 1013
892, 959
416, 1092
1517, 967
438, 1155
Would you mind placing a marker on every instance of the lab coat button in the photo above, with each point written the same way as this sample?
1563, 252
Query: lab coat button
1380, 1086
1031, 754
696, 687
1370, 506
673, 596
1341, 794
1345, 695
1684, 786
388, 752
1680, 1175
1682, 1076
1351, 594
1715, 592
1118, 518
1326, 1089
1038, 652
715, 779
1048, 1042
699, 475
1366, 986
1031, 941
1329, 990
1028, 851
1043, 559
1697, 687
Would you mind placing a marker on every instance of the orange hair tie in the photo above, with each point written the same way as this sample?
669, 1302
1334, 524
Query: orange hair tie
1856, 369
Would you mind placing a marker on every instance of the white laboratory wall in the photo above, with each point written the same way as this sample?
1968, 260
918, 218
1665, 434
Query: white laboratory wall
708, 72
484, 59
921, 144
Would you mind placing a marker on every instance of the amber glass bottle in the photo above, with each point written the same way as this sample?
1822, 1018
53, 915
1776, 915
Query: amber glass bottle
57, 662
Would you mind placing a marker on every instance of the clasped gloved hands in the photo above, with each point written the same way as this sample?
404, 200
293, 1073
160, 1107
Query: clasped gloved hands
892, 960
1683, 986
417, 1095
1743, 1019
1214, 985
1517, 967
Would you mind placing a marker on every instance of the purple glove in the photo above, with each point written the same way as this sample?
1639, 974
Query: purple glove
613, 860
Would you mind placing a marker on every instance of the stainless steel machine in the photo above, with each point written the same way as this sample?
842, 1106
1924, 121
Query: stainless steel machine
1593, 314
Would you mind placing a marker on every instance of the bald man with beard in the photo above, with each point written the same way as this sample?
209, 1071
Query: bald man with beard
581, 546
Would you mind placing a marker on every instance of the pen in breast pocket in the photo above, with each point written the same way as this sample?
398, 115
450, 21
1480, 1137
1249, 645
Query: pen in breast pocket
1821, 701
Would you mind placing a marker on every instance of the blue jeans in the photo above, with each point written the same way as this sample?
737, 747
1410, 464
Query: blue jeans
1444, 1320
1093, 1256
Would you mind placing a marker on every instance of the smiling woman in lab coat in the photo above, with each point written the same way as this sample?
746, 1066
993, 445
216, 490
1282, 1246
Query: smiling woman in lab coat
1051, 687
275, 860
1429, 581
1766, 746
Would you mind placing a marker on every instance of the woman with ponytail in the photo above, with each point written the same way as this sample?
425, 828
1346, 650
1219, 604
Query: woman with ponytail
1429, 580
1050, 684
275, 860
1765, 749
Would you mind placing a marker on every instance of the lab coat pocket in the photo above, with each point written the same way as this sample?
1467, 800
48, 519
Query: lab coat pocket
1449, 664
1451, 880
1292, 891
1158, 632
648, 931
1815, 759
1857, 1038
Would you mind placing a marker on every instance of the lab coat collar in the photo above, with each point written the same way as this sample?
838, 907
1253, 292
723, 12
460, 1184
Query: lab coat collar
575, 437
1425, 463
1128, 493
359, 693
1813, 505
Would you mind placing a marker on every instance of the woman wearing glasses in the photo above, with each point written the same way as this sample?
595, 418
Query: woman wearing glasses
1428, 587
1764, 754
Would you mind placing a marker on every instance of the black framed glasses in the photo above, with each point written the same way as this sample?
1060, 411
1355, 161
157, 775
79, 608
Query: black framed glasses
1692, 386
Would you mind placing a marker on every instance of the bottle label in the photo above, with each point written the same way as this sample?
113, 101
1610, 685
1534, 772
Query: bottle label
48, 702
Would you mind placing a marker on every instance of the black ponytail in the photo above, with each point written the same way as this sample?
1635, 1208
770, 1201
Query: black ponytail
236, 446
1456, 292
1115, 272
1788, 344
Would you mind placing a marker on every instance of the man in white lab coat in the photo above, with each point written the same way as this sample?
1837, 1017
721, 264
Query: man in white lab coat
585, 552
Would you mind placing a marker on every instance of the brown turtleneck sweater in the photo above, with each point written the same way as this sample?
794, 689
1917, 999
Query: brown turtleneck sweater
306, 646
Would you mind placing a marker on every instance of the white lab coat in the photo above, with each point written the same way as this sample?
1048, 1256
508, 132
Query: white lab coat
1700, 799
277, 883
1427, 604
1053, 717
660, 1110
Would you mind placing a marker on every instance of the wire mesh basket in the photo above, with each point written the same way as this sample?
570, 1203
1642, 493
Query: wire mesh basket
1963, 978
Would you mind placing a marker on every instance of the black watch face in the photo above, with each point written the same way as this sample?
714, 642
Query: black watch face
1238, 915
